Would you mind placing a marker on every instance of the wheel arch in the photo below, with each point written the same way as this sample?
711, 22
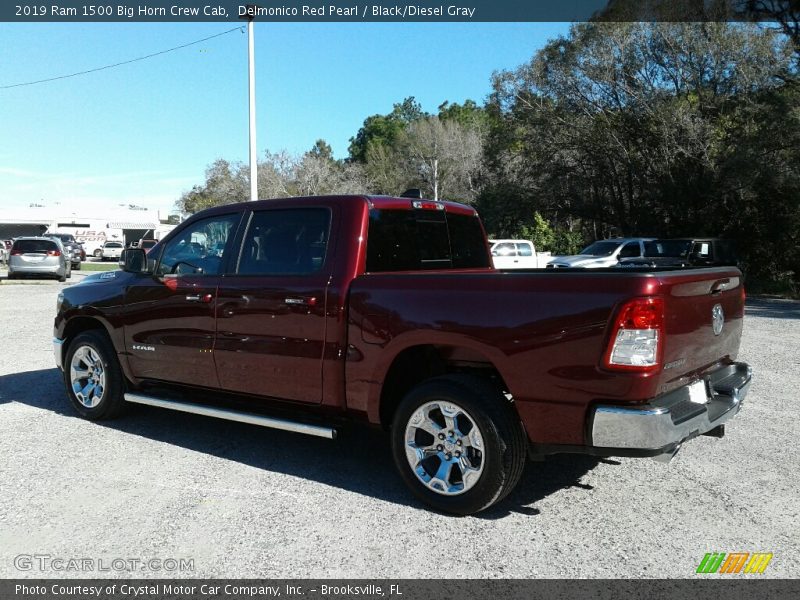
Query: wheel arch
414, 362
79, 324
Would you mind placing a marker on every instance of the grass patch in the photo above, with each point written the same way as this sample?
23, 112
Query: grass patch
98, 266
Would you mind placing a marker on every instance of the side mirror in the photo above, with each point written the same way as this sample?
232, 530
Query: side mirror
133, 260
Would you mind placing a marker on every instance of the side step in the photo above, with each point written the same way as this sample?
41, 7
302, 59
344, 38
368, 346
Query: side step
232, 415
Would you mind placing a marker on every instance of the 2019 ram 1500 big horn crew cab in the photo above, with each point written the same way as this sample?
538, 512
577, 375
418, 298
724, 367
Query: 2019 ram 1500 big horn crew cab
303, 313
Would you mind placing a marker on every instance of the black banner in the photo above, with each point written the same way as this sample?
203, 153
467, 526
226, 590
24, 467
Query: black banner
381, 10
733, 588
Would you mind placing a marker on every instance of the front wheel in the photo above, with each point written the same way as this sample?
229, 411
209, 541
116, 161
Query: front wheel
93, 376
458, 443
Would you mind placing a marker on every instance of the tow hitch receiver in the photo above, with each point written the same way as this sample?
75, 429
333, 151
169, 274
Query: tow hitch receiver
717, 432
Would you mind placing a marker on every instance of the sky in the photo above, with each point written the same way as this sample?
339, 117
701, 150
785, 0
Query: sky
143, 133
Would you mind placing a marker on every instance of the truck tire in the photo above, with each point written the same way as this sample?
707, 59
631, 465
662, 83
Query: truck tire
94, 380
458, 443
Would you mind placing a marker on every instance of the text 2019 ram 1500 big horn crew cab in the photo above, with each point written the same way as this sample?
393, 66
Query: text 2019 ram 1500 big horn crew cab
303, 313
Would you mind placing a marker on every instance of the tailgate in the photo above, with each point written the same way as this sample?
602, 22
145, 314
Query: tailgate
703, 324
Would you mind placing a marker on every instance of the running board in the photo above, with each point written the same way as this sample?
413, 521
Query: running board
232, 415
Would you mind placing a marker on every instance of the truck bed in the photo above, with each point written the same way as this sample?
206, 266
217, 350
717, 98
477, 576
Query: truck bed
545, 332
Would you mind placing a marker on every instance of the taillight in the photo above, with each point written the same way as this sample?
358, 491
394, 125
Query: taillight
637, 336
54, 253
16, 253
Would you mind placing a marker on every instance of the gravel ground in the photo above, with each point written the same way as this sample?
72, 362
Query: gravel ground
242, 501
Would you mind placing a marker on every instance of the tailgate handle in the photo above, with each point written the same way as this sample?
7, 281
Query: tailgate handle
720, 286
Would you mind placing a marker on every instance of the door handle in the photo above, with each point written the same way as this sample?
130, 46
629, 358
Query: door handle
204, 298
310, 301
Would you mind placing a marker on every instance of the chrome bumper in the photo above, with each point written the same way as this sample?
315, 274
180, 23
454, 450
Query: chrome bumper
58, 346
661, 426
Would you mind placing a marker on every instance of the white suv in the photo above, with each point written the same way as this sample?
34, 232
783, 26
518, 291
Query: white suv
111, 250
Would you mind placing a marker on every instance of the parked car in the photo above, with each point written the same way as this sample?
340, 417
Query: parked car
39, 256
602, 253
685, 252
82, 251
517, 254
325, 310
71, 246
111, 250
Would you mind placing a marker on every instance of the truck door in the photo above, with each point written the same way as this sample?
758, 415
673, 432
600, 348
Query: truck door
170, 316
271, 310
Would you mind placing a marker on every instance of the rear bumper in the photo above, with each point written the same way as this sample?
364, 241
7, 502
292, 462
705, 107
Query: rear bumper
37, 269
661, 426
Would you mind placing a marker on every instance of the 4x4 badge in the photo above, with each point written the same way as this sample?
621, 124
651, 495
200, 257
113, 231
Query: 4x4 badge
717, 319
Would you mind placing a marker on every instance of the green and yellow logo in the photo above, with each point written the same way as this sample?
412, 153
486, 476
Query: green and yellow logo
734, 562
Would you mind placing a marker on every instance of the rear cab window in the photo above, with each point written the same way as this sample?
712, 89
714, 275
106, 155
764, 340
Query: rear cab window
424, 239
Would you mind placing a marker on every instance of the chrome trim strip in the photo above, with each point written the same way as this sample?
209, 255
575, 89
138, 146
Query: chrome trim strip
231, 415
58, 346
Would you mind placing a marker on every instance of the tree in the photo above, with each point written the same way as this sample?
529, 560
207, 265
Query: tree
225, 183
637, 126
444, 156
384, 129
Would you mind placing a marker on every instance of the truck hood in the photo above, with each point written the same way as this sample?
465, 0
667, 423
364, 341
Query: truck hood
662, 261
583, 260
102, 277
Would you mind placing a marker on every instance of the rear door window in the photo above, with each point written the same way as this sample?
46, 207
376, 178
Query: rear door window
525, 249
282, 242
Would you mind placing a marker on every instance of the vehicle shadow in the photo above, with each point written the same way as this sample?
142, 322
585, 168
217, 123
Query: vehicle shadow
359, 460
772, 308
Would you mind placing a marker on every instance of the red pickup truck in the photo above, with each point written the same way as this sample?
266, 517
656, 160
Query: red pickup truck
304, 313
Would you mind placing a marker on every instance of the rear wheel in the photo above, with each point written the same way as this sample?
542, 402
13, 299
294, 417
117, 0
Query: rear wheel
93, 376
458, 443
97, 253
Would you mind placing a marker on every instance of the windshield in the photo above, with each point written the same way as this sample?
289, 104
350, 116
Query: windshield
668, 248
64, 237
600, 248
113, 245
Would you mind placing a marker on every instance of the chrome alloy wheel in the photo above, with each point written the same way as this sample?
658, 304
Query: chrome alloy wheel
87, 376
444, 448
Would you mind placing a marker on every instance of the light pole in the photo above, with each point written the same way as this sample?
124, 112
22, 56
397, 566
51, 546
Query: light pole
251, 66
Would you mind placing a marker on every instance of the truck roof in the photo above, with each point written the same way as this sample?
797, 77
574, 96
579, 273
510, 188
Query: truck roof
380, 202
